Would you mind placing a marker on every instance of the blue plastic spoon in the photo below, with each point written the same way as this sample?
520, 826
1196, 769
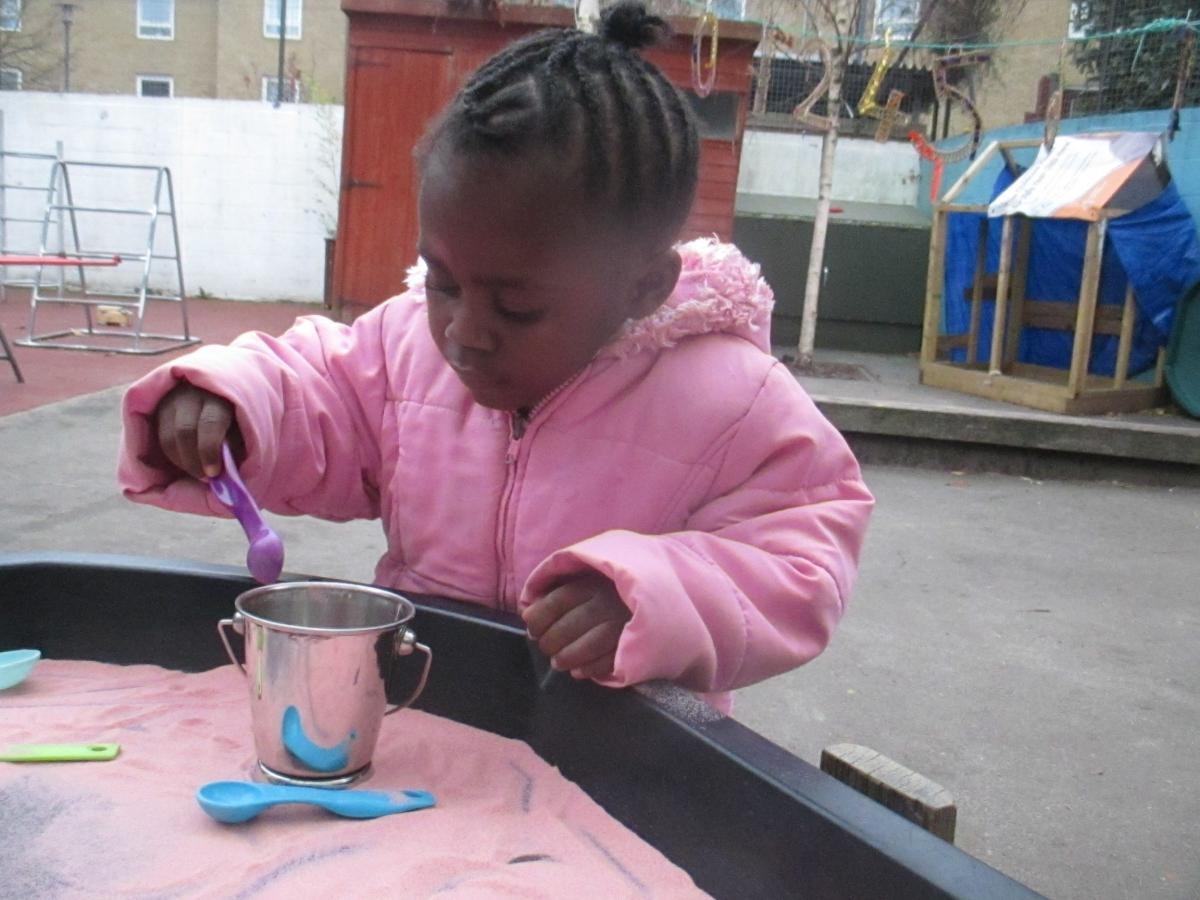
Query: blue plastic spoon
240, 801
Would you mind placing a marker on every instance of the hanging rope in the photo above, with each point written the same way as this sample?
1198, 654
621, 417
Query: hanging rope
1181, 80
1054, 109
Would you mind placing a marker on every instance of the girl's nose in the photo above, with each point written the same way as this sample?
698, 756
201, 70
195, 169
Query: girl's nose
468, 330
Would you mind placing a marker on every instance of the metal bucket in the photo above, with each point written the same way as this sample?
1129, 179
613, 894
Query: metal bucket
319, 657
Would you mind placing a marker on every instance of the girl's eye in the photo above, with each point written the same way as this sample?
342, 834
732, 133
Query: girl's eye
519, 318
447, 289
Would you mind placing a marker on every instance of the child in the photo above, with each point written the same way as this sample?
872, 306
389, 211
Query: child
565, 415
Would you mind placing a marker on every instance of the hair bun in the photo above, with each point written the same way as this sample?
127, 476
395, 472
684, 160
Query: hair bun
629, 24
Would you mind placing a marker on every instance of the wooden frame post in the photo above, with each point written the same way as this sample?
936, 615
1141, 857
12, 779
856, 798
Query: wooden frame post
1003, 274
977, 293
1128, 314
935, 285
1085, 319
1016, 301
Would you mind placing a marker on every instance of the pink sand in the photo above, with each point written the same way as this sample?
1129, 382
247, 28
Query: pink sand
507, 823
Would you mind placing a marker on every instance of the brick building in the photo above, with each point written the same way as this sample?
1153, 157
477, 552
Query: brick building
182, 48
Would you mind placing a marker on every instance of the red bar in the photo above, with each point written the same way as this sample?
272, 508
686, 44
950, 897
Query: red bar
56, 261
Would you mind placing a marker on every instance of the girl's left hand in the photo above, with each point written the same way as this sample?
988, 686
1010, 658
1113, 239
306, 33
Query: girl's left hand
578, 625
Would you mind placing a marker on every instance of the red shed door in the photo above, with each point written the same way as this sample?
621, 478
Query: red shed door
394, 94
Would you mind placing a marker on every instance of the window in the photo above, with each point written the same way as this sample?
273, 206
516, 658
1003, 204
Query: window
156, 19
271, 10
1080, 23
291, 89
900, 16
155, 86
729, 9
10, 15
716, 114
10, 79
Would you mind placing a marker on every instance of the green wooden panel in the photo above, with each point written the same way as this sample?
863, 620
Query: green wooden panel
873, 295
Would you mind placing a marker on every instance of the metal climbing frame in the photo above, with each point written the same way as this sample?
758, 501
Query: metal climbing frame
7, 354
65, 211
22, 177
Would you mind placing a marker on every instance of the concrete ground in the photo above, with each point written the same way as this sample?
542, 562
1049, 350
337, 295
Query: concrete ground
1033, 646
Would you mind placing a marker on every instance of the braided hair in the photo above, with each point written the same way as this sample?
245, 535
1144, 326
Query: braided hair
592, 104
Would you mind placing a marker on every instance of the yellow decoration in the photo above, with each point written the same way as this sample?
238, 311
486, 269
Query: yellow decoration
868, 104
704, 74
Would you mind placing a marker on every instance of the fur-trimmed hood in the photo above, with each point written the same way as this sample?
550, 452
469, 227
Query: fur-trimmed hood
719, 291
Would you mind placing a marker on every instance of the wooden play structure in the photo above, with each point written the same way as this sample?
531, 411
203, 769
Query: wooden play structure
407, 58
1001, 376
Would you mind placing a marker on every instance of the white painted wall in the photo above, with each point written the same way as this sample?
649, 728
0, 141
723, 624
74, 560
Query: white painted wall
247, 181
786, 164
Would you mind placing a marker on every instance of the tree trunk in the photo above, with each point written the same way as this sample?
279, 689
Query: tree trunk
816, 256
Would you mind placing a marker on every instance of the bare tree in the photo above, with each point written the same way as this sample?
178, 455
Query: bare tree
839, 22
35, 48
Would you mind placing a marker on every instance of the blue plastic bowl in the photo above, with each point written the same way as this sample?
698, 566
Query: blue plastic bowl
15, 665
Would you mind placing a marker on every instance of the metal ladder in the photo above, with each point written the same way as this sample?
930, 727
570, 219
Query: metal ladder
63, 210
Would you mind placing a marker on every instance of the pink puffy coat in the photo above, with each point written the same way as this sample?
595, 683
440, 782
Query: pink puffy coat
685, 463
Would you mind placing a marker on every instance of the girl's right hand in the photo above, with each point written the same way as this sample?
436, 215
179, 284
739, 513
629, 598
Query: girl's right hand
192, 423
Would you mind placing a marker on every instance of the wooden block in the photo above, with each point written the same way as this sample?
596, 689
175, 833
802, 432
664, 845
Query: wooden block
900, 789
113, 315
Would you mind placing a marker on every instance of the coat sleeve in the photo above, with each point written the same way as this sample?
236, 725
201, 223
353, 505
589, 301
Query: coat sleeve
308, 404
757, 581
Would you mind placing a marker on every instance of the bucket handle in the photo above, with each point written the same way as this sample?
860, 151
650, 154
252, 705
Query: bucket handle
406, 642
236, 624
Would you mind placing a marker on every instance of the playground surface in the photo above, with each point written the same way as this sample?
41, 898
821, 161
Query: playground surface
1028, 642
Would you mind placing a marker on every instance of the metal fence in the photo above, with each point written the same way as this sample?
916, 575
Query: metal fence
1123, 72
1025, 60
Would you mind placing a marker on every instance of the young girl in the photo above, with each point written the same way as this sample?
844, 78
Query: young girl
565, 415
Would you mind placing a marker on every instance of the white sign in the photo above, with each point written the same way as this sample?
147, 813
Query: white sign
1077, 178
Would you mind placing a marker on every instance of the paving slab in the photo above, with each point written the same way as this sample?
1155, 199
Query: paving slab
880, 396
1032, 646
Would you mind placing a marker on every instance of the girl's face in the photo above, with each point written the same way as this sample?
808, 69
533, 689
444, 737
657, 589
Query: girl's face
521, 291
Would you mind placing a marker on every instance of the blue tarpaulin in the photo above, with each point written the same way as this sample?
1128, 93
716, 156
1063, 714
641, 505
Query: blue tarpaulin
1155, 247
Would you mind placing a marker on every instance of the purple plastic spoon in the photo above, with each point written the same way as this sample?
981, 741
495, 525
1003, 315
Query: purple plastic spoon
264, 559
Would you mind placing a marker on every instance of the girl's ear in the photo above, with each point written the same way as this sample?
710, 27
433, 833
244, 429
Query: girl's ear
654, 286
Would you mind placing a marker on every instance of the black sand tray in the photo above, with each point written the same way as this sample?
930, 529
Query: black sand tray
743, 816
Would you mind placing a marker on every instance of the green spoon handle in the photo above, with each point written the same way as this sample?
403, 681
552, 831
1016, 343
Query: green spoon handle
59, 752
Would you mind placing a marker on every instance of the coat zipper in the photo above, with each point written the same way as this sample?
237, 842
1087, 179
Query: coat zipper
518, 426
